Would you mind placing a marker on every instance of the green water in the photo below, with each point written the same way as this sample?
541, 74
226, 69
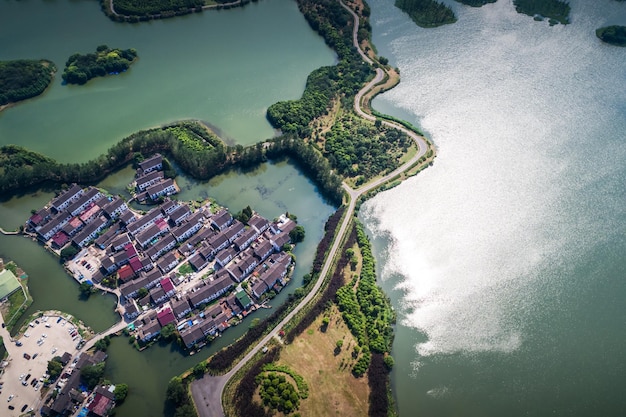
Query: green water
223, 67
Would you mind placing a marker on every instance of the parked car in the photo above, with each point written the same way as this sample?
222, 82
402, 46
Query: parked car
35, 355
26, 356
11, 407
24, 407
10, 397
18, 343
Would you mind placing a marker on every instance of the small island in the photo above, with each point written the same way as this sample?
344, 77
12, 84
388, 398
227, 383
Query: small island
613, 35
81, 68
557, 11
23, 78
475, 3
427, 13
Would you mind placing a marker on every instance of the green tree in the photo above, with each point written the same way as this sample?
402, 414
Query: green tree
92, 375
176, 391
297, 234
142, 292
86, 289
121, 391
200, 369
102, 344
168, 331
54, 368
68, 253
389, 362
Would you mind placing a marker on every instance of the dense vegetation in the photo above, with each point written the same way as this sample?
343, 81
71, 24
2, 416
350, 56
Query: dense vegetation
178, 395
476, 3
555, 10
359, 148
427, 13
196, 150
366, 311
81, 68
22, 79
243, 398
334, 24
277, 393
146, 7
614, 35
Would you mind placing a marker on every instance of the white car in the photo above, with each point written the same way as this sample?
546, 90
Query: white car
54, 350
26, 334
21, 377
10, 397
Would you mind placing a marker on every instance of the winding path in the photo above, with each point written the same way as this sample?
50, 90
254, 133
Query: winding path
207, 392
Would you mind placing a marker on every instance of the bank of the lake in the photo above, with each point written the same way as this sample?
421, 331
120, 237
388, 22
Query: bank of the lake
186, 71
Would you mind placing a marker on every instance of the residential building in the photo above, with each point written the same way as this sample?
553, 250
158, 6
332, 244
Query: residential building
149, 179
154, 163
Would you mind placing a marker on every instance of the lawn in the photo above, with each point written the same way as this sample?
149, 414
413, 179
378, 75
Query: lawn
333, 390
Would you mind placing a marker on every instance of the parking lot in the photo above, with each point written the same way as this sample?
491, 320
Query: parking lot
28, 361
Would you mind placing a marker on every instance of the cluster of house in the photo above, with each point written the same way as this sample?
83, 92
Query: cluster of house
229, 251
150, 182
71, 393
78, 216
143, 251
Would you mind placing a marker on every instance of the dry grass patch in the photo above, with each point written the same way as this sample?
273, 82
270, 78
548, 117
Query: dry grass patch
333, 390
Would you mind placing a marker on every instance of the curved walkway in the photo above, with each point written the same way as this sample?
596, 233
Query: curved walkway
207, 392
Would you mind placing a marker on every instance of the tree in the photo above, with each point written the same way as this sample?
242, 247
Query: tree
142, 292
200, 369
121, 391
297, 234
86, 289
389, 362
54, 368
176, 391
168, 331
185, 410
103, 344
68, 253
92, 375
339, 343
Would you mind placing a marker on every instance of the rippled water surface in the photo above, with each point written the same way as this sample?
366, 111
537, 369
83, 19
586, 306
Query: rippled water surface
506, 258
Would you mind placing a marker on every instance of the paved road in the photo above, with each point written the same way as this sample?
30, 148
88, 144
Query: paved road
207, 391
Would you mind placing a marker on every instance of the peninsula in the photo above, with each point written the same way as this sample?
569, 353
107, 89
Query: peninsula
23, 79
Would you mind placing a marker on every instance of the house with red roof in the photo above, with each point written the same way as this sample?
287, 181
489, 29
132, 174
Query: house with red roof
166, 316
126, 273
167, 286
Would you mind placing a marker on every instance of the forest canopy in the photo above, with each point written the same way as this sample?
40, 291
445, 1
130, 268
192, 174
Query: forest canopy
614, 35
555, 10
427, 13
22, 79
81, 68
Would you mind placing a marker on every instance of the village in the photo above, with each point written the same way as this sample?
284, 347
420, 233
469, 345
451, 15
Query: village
188, 266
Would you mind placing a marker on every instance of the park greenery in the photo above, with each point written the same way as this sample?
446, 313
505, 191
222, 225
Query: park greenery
613, 35
427, 13
81, 68
277, 393
22, 79
555, 10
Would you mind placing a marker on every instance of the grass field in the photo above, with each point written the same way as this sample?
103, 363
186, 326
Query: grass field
333, 391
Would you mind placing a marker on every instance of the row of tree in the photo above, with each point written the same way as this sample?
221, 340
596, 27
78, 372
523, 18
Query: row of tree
81, 68
22, 79
21, 168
